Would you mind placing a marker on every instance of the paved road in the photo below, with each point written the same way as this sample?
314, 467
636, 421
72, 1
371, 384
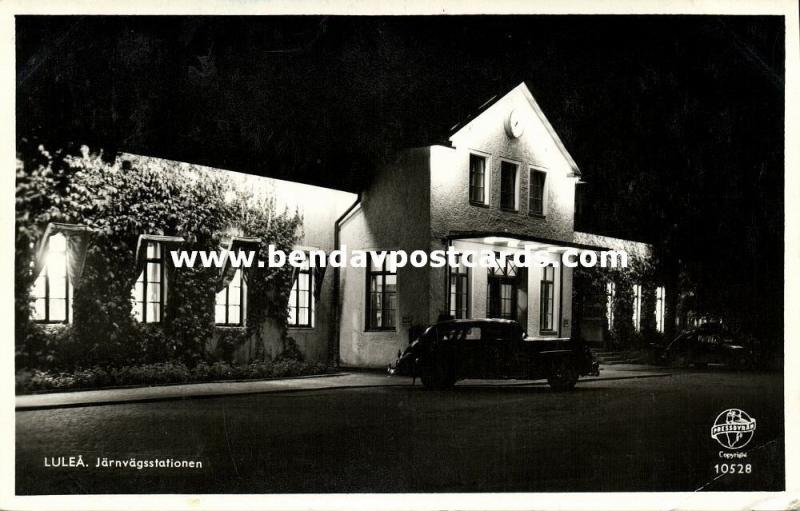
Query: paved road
621, 435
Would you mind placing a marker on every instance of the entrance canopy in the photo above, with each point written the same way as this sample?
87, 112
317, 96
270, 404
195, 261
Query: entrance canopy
537, 297
508, 240
509, 244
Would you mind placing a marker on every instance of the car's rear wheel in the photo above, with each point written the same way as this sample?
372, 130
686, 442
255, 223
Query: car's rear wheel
741, 363
678, 360
438, 376
563, 375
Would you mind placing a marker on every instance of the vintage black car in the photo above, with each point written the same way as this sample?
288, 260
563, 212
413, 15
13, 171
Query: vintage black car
492, 348
709, 343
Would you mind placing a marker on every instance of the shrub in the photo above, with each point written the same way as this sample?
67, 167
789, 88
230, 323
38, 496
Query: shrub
228, 340
258, 370
151, 343
158, 373
290, 351
49, 347
286, 367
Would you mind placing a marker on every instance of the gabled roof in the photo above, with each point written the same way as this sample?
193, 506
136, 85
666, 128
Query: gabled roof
523, 87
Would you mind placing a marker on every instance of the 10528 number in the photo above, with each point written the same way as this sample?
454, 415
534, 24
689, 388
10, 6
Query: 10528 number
733, 468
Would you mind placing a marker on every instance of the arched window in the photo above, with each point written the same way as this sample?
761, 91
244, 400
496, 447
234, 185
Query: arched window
52, 293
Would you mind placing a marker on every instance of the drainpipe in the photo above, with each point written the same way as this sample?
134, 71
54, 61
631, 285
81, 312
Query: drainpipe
561, 297
333, 355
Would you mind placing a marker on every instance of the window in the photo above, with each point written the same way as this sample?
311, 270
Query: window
637, 307
546, 299
381, 294
503, 282
301, 298
610, 296
230, 302
148, 292
508, 185
477, 179
459, 290
495, 333
51, 291
660, 302
473, 334
536, 193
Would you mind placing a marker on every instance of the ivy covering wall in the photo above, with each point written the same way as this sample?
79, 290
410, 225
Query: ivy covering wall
119, 201
590, 284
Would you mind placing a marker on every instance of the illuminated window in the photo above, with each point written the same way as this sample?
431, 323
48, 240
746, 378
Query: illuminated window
148, 292
381, 294
301, 298
51, 292
610, 296
637, 307
459, 290
229, 305
546, 300
660, 302
477, 179
536, 193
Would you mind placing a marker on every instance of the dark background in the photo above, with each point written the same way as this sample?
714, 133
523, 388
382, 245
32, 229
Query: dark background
675, 121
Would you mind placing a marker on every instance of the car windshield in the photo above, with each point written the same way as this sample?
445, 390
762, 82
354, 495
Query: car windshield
427, 335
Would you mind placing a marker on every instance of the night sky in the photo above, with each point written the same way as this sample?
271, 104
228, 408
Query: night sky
675, 121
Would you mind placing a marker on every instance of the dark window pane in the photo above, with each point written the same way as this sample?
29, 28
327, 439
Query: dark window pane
508, 185
536, 199
507, 304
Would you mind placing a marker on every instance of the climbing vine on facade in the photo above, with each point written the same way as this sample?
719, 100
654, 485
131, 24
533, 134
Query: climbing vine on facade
119, 201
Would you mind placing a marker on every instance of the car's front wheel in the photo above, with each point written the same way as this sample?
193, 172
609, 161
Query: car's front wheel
438, 376
678, 360
563, 375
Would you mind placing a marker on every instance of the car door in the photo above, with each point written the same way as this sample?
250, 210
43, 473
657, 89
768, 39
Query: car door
495, 345
511, 360
679, 349
705, 348
519, 354
470, 356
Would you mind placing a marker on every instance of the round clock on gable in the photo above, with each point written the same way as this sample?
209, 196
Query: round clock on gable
515, 125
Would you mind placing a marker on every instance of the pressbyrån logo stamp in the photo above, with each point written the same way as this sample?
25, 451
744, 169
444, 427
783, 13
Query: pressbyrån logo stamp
733, 428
